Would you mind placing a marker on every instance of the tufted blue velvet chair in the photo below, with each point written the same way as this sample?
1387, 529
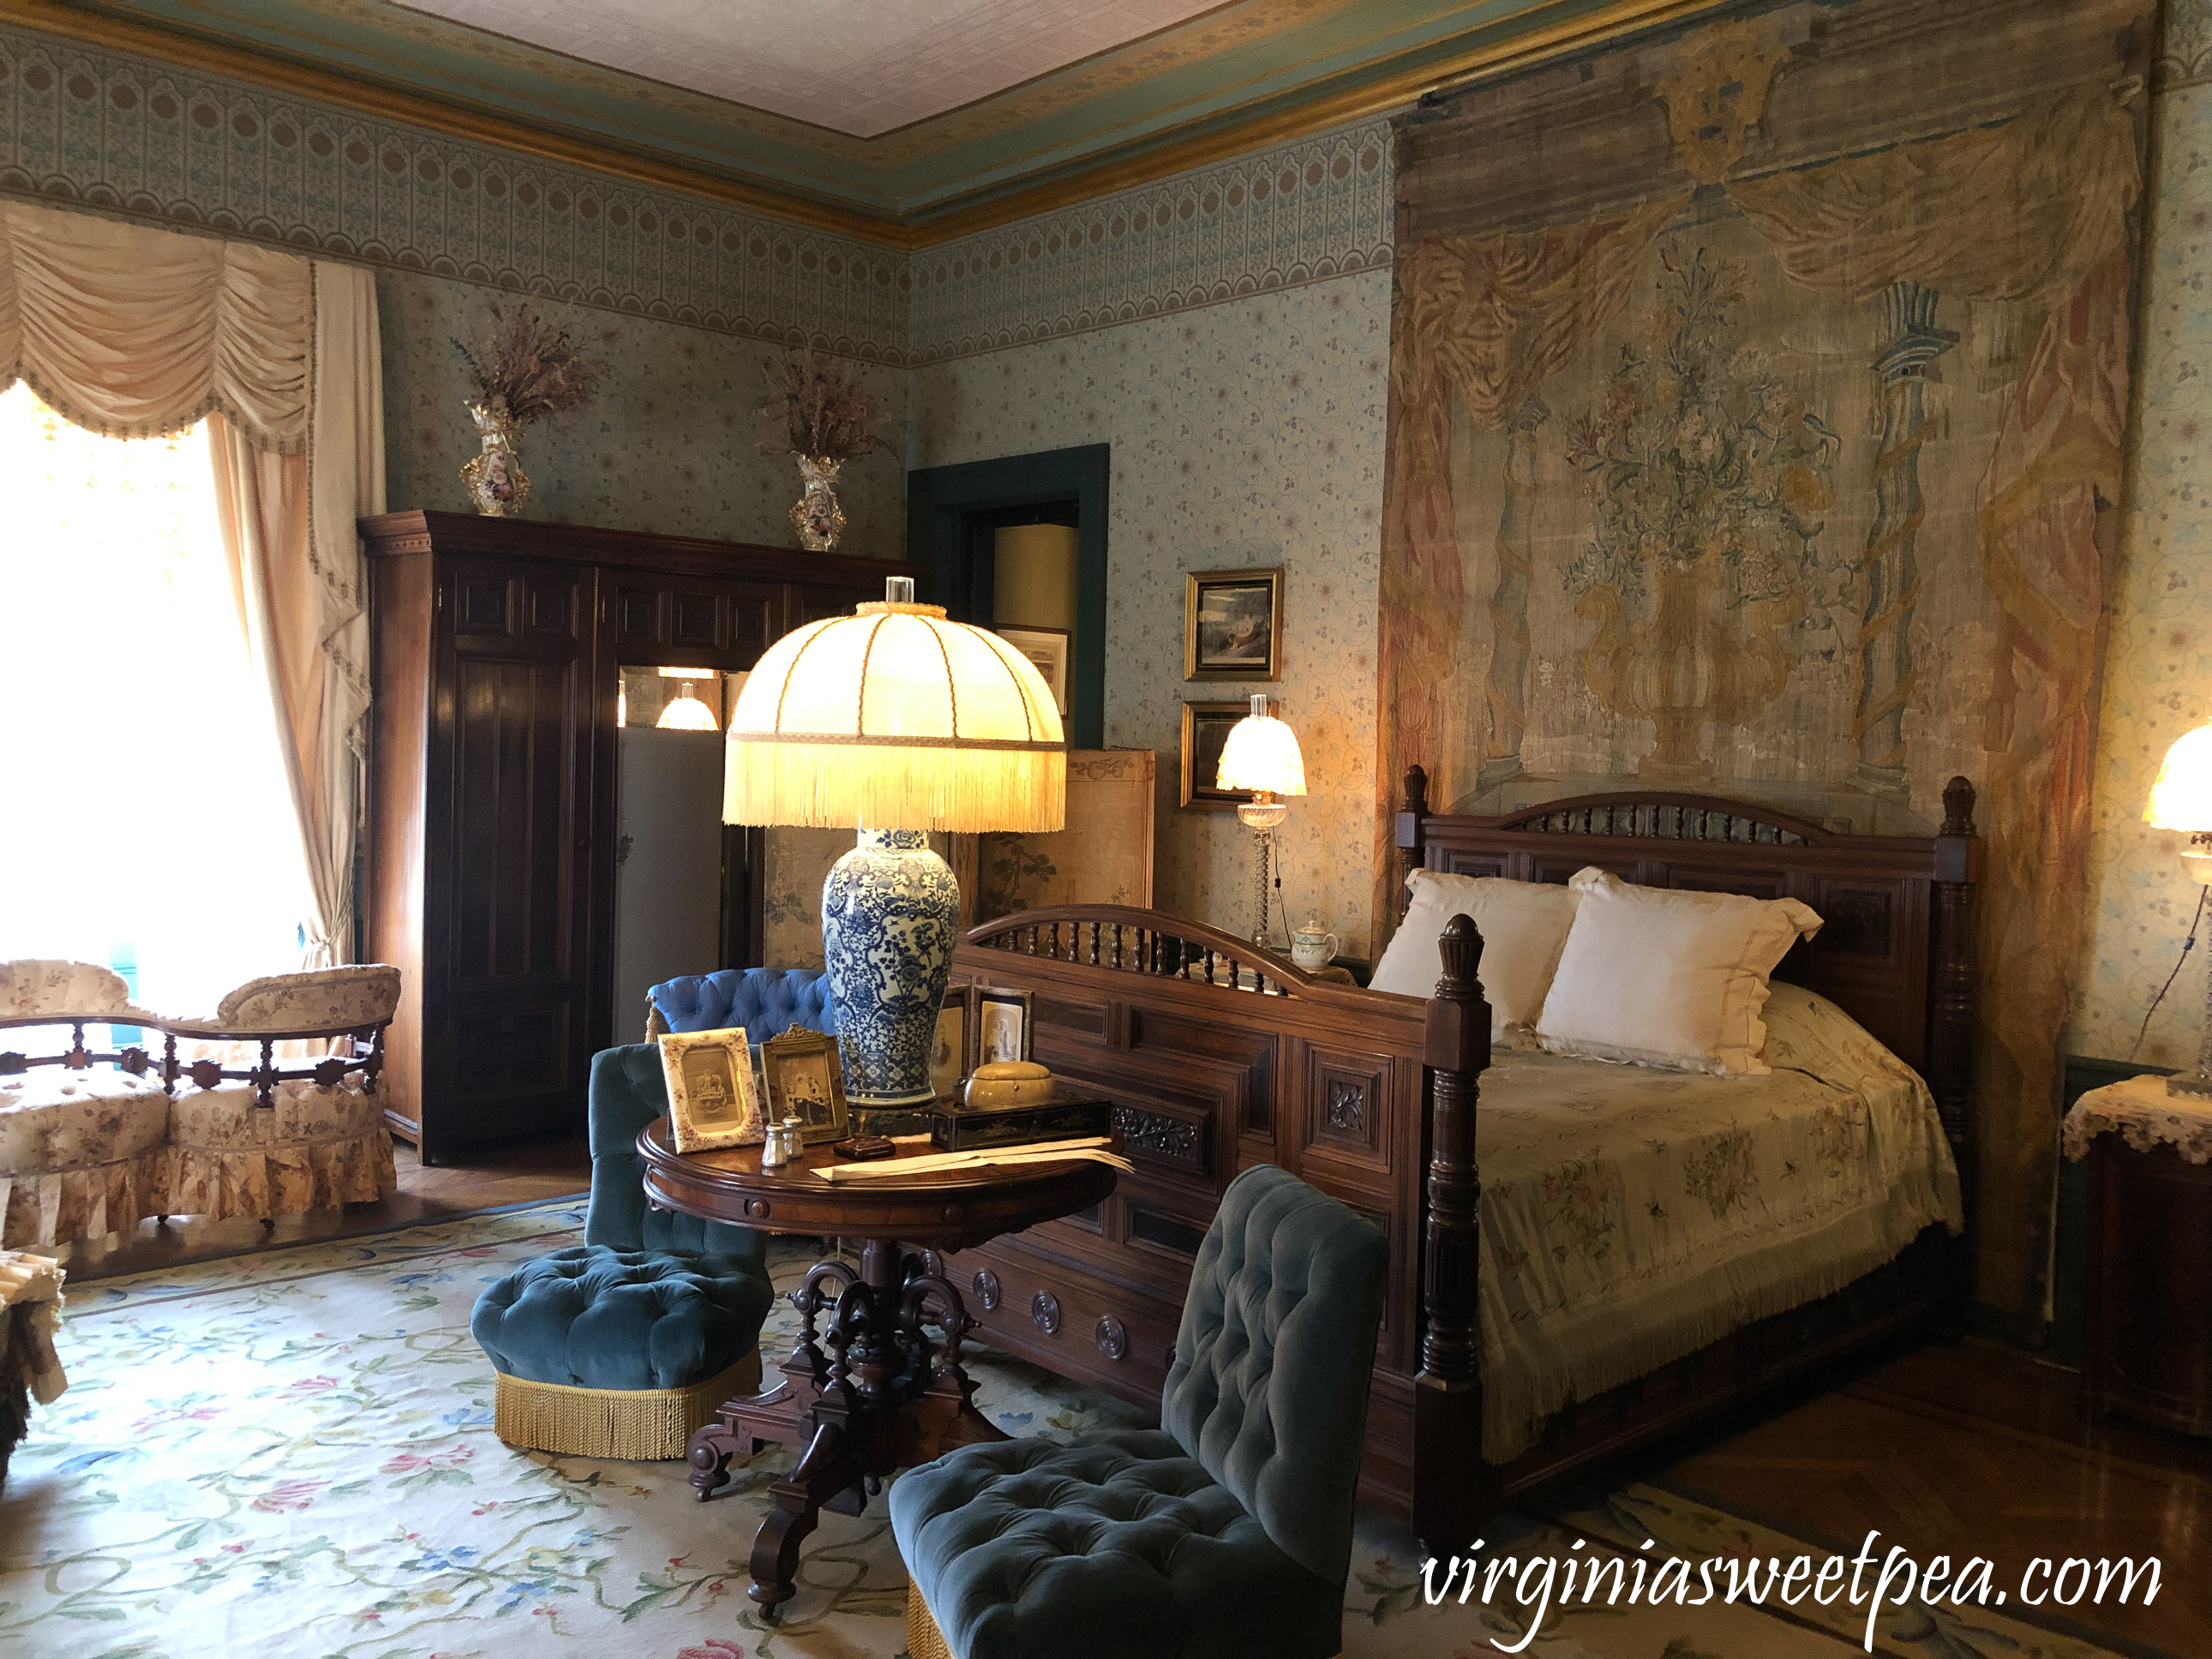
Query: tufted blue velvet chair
622, 1345
1224, 1533
766, 1001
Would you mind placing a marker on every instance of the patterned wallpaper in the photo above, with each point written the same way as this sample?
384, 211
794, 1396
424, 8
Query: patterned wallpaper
666, 446
2158, 673
1248, 434
1299, 213
84, 126
106, 130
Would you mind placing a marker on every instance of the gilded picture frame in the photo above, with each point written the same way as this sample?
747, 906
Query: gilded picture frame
806, 1080
1004, 1026
1232, 624
1206, 727
713, 1100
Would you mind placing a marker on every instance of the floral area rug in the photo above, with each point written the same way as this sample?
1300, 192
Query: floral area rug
291, 1453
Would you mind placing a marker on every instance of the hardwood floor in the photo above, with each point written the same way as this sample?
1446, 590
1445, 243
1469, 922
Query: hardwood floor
494, 1178
1972, 1448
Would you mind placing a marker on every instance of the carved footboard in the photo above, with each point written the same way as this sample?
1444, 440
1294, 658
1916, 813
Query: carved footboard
1217, 1056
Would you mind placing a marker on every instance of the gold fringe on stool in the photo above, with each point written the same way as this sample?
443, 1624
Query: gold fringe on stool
636, 1424
923, 1640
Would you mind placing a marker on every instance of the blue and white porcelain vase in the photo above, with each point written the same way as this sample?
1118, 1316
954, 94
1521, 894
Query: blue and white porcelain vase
889, 910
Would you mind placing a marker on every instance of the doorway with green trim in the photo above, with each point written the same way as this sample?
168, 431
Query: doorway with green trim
1019, 543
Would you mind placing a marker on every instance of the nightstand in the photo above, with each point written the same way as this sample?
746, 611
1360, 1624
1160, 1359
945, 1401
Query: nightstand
2147, 1352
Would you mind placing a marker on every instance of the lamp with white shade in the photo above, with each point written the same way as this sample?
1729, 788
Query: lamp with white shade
2181, 799
893, 722
1260, 754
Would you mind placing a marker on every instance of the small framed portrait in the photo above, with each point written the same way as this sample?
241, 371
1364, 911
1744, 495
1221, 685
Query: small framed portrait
951, 1059
1206, 727
1232, 624
711, 1100
806, 1080
1048, 648
1004, 1029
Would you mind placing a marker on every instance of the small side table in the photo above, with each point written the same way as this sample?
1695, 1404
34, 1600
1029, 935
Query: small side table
2149, 1349
887, 1395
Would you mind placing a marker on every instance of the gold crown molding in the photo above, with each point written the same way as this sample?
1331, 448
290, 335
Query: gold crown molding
1317, 115
910, 232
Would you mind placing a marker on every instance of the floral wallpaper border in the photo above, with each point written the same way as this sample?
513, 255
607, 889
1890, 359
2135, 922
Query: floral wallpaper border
86, 126
1301, 212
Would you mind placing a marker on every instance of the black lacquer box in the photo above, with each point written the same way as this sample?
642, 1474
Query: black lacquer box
1069, 1117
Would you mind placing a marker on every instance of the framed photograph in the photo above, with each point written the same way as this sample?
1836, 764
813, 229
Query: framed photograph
806, 1080
1232, 624
1003, 1027
1205, 729
1049, 648
951, 1059
711, 1102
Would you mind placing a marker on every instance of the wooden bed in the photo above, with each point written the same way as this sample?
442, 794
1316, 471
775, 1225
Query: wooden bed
1373, 1097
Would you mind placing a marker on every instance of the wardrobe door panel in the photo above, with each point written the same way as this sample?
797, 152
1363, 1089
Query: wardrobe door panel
518, 839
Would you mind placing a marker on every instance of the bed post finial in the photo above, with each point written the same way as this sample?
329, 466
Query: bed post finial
1952, 1013
1409, 832
1452, 1487
1957, 808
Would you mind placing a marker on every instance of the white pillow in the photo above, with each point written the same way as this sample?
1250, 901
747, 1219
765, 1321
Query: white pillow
1665, 976
1523, 926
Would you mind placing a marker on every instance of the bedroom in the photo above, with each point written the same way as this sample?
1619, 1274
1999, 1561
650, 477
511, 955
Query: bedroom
1399, 327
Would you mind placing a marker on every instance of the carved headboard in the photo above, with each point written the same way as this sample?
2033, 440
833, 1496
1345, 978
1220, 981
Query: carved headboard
1897, 953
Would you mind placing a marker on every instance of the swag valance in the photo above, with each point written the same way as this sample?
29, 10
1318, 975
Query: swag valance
136, 333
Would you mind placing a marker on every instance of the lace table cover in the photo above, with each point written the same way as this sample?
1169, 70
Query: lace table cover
2142, 1113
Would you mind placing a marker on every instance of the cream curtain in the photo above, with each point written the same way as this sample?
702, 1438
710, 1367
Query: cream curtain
133, 332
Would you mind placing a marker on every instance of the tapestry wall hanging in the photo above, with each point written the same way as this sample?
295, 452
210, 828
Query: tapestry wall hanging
1758, 398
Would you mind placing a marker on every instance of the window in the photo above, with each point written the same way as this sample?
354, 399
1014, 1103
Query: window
147, 823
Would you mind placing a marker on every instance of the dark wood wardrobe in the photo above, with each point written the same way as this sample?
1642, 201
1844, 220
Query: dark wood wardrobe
490, 857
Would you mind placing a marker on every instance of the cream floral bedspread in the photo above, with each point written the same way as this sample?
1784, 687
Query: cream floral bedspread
1632, 1215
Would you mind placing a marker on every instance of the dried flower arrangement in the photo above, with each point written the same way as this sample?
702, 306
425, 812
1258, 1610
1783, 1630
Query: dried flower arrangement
821, 411
530, 366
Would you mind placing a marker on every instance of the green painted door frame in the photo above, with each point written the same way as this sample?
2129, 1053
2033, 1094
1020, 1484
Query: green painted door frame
946, 506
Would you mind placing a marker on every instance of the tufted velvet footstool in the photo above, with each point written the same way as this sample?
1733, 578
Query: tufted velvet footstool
1224, 1534
619, 1353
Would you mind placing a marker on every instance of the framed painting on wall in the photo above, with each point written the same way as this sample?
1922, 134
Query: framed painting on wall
1206, 727
1046, 648
1232, 624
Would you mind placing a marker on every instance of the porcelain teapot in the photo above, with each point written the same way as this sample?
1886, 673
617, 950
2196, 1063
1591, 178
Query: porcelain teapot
1313, 946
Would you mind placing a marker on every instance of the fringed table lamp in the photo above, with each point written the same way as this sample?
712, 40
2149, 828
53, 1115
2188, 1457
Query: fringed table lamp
2181, 799
1261, 755
895, 722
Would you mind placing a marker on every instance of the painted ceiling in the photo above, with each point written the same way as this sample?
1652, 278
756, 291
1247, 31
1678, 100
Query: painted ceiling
861, 67
907, 122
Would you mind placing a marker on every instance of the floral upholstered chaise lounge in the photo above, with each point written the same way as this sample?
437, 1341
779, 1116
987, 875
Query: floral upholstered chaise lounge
202, 1116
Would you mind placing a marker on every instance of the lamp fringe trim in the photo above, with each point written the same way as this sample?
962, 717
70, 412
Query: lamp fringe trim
832, 785
923, 1640
644, 1426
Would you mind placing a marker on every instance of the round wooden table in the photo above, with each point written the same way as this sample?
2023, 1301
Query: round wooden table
886, 1394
